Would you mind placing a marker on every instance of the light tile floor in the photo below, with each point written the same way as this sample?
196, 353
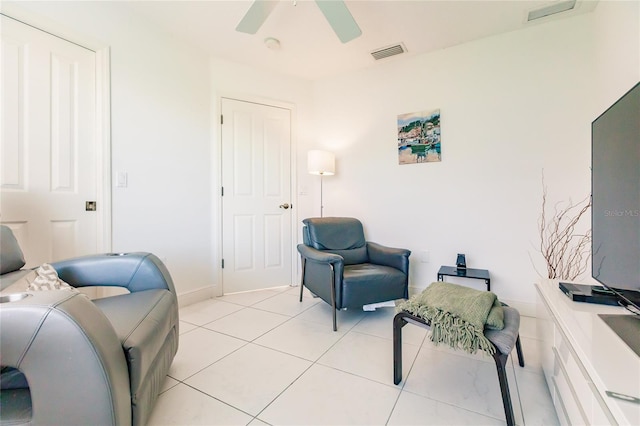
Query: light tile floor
265, 358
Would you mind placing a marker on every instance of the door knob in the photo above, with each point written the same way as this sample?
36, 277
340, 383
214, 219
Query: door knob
285, 206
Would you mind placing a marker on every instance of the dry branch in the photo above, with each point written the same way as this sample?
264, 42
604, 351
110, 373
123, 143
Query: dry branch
565, 252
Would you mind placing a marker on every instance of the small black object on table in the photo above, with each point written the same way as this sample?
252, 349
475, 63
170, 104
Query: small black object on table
452, 271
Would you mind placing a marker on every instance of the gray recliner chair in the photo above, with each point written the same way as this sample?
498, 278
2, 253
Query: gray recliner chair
70, 360
346, 271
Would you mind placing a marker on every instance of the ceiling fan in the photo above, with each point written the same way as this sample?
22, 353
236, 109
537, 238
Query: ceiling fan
335, 11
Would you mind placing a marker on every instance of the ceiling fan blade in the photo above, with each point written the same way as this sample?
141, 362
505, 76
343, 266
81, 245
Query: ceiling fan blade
256, 15
340, 19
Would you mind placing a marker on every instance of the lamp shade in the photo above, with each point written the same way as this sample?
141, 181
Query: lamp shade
321, 162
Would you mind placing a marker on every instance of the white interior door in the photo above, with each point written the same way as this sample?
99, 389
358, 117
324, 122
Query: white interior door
256, 203
48, 143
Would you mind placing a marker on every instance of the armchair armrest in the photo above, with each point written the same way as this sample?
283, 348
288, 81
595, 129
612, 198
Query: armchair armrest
389, 256
315, 255
71, 358
317, 270
133, 271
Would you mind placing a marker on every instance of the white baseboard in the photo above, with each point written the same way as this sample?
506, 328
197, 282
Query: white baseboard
415, 290
195, 296
526, 309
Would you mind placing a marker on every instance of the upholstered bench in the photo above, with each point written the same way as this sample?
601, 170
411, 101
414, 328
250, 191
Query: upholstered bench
503, 341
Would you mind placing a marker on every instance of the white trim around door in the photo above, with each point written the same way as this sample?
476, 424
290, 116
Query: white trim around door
217, 179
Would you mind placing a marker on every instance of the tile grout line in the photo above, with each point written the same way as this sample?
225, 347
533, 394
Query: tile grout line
316, 361
253, 342
302, 374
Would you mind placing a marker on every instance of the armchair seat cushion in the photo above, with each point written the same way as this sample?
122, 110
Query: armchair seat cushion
369, 283
16, 282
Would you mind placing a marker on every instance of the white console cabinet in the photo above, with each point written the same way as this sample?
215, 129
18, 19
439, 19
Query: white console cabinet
583, 358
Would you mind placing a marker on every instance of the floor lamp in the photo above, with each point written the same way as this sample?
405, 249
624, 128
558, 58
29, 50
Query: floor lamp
321, 163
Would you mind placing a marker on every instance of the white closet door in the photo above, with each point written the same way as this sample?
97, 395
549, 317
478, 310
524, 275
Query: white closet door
257, 213
48, 143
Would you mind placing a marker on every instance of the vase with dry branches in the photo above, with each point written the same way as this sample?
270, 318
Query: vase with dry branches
565, 250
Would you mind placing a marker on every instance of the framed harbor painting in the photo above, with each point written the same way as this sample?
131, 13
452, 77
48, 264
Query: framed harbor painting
419, 137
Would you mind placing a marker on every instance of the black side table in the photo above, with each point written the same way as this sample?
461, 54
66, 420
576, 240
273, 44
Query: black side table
452, 271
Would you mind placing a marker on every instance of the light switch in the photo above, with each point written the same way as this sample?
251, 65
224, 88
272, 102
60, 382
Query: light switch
121, 179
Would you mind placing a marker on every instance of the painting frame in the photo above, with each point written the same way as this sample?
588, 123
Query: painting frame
419, 137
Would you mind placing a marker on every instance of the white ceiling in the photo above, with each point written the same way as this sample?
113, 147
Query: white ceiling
309, 47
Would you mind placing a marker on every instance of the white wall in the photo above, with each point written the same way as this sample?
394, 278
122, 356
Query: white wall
617, 43
511, 106
160, 127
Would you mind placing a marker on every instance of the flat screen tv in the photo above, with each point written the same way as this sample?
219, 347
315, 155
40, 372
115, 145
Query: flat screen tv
615, 191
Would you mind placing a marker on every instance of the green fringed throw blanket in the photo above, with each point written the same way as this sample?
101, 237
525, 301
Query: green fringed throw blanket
458, 315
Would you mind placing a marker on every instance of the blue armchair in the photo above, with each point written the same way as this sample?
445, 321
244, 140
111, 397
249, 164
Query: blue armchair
346, 271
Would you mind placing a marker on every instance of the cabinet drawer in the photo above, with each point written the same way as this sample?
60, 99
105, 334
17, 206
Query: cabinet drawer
545, 331
600, 414
559, 404
566, 396
574, 372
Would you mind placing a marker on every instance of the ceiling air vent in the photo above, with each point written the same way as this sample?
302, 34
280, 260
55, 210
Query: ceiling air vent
385, 52
552, 9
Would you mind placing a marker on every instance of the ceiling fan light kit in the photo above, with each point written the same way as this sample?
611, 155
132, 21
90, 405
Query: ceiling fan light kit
335, 11
272, 43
